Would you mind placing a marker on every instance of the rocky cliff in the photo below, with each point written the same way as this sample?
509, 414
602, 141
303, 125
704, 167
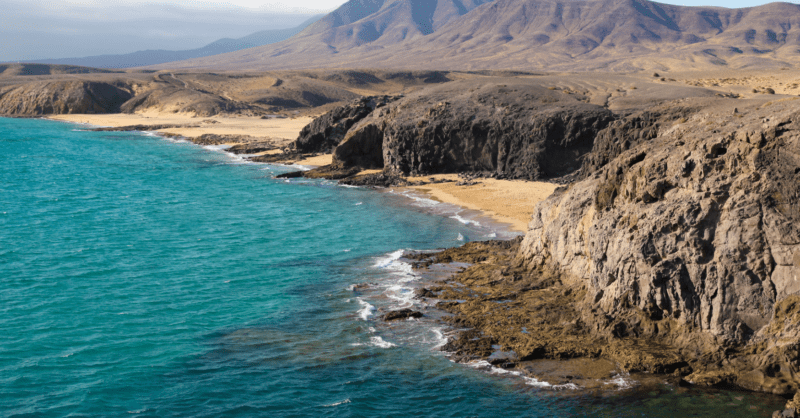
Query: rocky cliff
510, 130
63, 97
328, 130
689, 237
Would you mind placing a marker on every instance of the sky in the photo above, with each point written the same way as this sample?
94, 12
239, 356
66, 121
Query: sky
42, 29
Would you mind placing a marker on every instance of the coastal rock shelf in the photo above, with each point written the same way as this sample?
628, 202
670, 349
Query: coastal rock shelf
679, 256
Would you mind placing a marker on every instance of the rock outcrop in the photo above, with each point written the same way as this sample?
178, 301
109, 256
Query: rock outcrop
518, 130
328, 130
678, 253
690, 239
63, 97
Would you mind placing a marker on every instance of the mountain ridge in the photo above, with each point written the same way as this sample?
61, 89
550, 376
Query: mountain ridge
549, 35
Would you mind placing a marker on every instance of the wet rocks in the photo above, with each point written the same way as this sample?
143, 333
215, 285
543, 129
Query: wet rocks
375, 180
290, 175
402, 314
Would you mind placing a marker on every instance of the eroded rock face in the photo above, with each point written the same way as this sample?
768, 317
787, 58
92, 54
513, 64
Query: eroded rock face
690, 238
63, 97
328, 130
507, 130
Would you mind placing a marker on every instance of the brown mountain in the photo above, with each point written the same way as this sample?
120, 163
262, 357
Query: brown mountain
615, 35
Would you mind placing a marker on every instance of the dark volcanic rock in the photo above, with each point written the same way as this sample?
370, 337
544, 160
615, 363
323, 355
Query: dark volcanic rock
375, 180
252, 147
512, 130
621, 135
691, 240
402, 314
290, 175
328, 130
63, 97
332, 172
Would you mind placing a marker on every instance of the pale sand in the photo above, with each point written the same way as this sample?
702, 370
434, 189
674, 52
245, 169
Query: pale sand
319, 160
282, 131
507, 201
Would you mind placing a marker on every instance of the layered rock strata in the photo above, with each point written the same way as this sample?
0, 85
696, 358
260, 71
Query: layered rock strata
680, 255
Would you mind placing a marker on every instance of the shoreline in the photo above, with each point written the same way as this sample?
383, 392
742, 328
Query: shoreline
443, 196
509, 203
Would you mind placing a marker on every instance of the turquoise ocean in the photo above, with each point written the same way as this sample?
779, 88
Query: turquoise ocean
145, 277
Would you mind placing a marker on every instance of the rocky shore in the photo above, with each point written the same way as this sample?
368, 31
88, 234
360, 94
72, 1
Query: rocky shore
675, 250
673, 246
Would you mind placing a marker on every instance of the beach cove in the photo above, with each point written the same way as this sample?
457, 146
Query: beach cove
163, 251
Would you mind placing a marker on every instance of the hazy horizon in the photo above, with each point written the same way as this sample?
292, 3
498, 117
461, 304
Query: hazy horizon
32, 32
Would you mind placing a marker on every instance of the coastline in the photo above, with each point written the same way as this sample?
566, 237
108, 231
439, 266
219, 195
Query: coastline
281, 131
506, 202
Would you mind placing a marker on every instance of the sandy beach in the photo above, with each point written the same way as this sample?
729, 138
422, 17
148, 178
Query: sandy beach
280, 130
507, 201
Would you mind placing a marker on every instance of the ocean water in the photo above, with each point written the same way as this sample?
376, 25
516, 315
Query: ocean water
142, 277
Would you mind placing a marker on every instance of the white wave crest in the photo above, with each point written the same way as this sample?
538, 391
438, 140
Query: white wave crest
403, 295
530, 381
366, 310
465, 221
441, 340
346, 401
391, 262
380, 342
217, 147
621, 381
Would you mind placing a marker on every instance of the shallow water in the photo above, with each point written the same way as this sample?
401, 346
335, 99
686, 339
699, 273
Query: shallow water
151, 278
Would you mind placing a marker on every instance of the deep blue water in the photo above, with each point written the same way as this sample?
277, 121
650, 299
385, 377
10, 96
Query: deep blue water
143, 277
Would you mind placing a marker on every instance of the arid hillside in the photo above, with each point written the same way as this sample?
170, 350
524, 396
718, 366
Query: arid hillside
539, 35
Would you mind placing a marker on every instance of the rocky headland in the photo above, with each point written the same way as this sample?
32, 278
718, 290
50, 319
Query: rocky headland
672, 247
